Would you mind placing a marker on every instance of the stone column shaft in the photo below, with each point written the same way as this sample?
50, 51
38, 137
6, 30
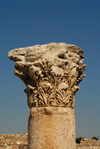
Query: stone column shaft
51, 128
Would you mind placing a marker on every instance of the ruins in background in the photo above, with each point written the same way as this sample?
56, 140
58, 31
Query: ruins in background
19, 141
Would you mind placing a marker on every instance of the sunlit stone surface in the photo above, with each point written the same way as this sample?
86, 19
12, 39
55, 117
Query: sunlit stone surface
51, 73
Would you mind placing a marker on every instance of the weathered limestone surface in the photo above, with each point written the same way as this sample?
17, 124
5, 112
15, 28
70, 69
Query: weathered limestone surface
54, 127
51, 73
11, 141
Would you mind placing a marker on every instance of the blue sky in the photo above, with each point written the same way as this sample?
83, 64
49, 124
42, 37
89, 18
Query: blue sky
29, 22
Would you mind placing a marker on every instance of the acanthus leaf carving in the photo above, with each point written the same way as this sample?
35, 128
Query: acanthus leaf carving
52, 75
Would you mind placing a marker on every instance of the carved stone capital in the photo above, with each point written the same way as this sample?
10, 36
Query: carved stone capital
51, 73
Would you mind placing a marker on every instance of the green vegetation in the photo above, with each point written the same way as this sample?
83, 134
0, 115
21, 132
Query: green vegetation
95, 138
78, 140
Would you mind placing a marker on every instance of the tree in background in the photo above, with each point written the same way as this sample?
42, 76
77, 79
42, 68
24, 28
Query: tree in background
78, 140
95, 138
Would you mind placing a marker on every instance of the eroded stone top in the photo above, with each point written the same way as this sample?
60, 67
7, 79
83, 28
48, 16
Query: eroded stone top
51, 73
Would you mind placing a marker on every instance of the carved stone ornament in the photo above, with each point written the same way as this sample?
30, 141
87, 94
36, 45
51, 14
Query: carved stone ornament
51, 73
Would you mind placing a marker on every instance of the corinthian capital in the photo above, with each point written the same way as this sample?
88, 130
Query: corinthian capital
51, 73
